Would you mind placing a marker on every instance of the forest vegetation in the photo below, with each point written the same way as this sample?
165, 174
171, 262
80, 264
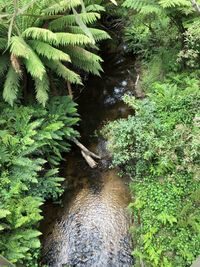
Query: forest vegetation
47, 49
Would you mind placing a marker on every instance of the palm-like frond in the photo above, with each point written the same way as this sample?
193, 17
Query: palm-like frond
64, 21
50, 30
84, 59
19, 47
42, 89
63, 71
61, 6
35, 66
48, 51
71, 38
98, 34
40, 34
3, 43
4, 63
11, 86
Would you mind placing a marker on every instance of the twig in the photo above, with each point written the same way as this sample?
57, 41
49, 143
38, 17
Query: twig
69, 87
137, 80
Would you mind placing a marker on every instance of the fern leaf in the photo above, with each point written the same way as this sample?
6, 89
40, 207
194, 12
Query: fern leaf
69, 20
97, 34
85, 60
61, 7
148, 9
42, 88
173, 3
48, 51
35, 66
19, 47
64, 72
95, 8
40, 34
135, 4
3, 43
11, 86
71, 39
4, 63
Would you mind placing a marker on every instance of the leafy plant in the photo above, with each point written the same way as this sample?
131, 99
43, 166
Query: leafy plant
190, 54
42, 38
159, 148
31, 141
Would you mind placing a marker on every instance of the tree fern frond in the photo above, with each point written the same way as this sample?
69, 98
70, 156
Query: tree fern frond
19, 48
61, 7
95, 8
173, 3
3, 43
40, 34
48, 51
71, 39
97, 33
4, 63
148, 9
85, 60
63, 71
35, 66
136, 4
11, 86
42, 89
61, 23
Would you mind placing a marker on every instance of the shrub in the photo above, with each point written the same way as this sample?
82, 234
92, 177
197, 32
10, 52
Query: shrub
159, 148
31, 141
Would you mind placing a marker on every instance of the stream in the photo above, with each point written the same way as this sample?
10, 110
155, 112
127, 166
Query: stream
90, 227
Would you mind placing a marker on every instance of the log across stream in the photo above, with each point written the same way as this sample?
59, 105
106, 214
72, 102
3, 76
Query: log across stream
90, 227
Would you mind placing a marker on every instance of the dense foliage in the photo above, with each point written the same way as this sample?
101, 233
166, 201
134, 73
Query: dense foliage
45, 46
31, 141
159, 148
50, 35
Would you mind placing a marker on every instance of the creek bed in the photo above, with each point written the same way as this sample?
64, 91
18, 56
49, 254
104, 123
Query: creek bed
90, 228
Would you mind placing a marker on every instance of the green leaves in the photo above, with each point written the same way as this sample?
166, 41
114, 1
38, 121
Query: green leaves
158, 148
38, 39
19, 48
31, 142
4, 213
35, 66
49, 51
11, 86
40, 34
42, 88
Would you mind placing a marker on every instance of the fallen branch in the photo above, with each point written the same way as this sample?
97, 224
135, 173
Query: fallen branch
82, 147
87, 154
196, 6
92, 163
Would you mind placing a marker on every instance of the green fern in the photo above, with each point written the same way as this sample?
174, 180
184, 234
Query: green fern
48, 51
42, 88
11, 86
69, 20
38, 41
63, 71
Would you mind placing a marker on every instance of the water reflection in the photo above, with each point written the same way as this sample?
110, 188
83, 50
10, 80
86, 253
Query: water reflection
90, 228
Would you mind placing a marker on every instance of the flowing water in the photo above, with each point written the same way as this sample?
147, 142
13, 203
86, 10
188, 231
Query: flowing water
91, 226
